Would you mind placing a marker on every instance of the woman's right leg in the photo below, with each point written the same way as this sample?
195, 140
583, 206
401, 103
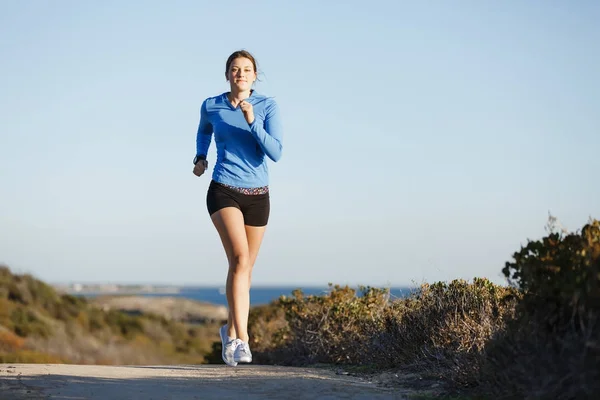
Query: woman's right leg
229, 223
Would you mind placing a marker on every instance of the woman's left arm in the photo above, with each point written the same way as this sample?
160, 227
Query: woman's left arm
270, 136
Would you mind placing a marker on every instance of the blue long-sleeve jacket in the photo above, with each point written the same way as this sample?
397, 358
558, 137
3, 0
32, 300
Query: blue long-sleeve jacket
241, 147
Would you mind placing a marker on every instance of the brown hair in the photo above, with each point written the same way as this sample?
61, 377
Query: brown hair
238, 54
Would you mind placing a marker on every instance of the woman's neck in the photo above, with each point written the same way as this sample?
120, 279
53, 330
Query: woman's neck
235, 97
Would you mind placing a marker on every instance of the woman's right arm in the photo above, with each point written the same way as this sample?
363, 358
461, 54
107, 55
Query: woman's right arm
205, 131
203, 139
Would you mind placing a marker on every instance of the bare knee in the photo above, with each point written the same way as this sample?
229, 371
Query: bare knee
240, 264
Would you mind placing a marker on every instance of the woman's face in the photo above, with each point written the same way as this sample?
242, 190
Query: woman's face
241, 74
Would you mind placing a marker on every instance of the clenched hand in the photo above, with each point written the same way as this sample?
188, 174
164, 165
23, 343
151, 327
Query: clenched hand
248, 111
200, 167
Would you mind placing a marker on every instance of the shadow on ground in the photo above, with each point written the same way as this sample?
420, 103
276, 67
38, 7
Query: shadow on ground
182, 383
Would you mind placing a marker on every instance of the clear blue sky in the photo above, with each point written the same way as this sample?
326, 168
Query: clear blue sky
423, 141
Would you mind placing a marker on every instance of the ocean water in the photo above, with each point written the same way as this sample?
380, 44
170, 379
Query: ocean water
258, 295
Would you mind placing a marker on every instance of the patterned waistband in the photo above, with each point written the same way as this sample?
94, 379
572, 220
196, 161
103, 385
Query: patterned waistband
250, 191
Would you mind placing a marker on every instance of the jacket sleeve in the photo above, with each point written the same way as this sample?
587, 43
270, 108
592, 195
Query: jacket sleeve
270, 134
205, 131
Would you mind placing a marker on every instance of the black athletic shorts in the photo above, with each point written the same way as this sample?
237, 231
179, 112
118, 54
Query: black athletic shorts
254, 207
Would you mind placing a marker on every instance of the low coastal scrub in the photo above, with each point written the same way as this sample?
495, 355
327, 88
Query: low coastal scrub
439, 330
40, 325
538, 337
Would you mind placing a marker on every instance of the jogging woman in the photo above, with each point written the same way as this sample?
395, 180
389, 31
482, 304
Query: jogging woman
248, 131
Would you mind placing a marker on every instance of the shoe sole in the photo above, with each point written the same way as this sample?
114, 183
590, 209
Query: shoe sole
244, 360
223, 350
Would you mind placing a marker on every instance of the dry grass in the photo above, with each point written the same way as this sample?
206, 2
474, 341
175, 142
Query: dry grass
37, 325
437, 328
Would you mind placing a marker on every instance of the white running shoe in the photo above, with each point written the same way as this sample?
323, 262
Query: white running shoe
227, 347
242, 352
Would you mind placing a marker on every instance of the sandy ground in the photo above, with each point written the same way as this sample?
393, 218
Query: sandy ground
78, 382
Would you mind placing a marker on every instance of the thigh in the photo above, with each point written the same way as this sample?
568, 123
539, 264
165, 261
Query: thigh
255, 236
229, 222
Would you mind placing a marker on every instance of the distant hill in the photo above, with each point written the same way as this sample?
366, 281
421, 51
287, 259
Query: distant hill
39, 324
171, 308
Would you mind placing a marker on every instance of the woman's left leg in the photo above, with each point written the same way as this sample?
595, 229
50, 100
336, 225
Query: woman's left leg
255, 236
257, 209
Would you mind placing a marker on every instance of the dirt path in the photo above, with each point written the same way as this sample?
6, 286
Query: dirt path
70, 382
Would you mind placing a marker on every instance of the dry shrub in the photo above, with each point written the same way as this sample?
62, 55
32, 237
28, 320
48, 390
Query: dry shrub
441, 327
300, 330
9, 342
268, 331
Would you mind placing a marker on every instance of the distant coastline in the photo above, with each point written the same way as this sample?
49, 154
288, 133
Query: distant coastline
208, 294
116, 289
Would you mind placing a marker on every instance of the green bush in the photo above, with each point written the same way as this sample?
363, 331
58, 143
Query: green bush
551, 349
559, 275
26, 323
123, 324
